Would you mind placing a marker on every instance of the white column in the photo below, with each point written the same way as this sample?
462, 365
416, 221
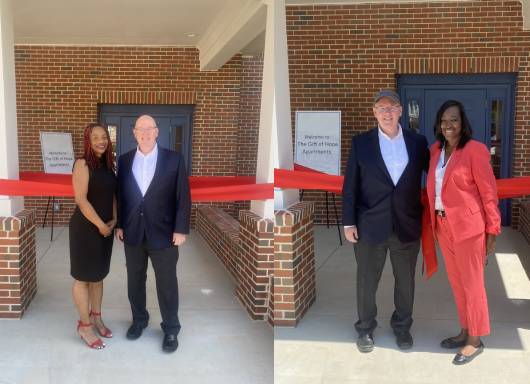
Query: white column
275, 149
526, 14
8, 113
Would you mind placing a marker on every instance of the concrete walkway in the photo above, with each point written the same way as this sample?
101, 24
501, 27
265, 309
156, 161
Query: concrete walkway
218, 342
321, 349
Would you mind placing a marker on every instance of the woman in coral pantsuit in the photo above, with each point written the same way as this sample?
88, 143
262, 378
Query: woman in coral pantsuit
464, 211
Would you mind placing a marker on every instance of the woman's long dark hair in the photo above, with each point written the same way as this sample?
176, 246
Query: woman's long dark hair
88, 154
467, 132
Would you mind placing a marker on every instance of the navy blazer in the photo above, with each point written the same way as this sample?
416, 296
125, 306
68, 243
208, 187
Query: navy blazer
369, 198
165, 208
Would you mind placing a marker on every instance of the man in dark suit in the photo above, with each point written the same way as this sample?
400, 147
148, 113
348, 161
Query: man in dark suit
153, 220
382, 212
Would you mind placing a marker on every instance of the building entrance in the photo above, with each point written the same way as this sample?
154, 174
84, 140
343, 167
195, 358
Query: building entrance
489, 102
174, 123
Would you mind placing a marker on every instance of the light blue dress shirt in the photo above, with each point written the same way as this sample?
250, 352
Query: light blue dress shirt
394, 152
144, 167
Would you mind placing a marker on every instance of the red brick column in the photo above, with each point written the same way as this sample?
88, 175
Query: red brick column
294, 264
18, 272
256, 263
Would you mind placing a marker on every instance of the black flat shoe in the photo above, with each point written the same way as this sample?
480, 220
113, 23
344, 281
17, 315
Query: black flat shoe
451, 343
365, 343
461, 359
170, 343
404, 340
135, 331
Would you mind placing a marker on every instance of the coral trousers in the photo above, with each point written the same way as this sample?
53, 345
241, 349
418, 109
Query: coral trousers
464, 262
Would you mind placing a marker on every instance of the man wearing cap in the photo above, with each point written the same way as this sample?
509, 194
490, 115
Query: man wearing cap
382, 212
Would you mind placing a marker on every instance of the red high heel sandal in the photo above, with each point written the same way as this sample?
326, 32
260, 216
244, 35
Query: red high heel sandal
107, 332
98, 344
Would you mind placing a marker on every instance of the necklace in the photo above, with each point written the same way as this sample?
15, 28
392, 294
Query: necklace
446, 159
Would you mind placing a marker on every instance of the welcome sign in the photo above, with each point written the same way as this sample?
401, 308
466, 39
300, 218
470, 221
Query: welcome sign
57, 152
317, 138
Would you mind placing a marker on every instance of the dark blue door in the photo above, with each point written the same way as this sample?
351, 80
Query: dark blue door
489, 103
474, 101
174, 124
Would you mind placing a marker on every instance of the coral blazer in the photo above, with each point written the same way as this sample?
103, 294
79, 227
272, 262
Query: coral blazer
469, 191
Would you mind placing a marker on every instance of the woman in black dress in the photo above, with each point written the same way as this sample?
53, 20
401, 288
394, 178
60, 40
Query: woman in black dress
91, 228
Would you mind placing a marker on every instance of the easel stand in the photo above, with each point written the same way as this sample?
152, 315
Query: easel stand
52, 199
327, 211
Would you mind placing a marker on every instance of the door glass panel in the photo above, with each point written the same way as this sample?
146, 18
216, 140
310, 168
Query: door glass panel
178, 138
496, 135
112, 133
414, 115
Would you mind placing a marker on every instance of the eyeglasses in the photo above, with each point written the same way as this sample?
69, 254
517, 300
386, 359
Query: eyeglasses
387, 109
145, 130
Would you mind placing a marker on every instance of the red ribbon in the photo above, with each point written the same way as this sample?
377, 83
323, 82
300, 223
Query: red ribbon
232, 188
309, 179
203, 188
229, 188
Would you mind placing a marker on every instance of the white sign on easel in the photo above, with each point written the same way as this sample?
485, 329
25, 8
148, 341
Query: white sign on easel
57, 152
317, 144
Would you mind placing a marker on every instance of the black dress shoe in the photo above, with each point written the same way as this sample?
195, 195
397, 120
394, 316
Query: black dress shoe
170, 343
365, 343
451, 343
404, 340
135, 331
462, 359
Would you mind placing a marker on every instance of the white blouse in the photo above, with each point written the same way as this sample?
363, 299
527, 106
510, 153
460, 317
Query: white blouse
439, 178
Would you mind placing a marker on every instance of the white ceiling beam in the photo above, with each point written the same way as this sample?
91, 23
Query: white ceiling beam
234, 28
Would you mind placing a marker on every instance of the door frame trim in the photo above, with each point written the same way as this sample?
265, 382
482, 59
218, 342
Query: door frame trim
158, 109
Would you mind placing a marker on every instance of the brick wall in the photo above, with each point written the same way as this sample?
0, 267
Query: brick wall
221, 232
255, 263
294, 264
246, 248
59, 88
270, 311
340, 55
525, 220
524, 227
249, 111
18, 273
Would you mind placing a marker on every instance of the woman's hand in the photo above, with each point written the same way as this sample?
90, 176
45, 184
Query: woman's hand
112, 223
105, 230
490, 243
